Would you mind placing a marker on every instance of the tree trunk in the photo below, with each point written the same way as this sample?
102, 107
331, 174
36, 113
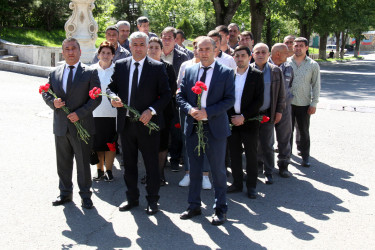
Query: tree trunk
357, 45
344, 36
337, 34
268, 31
224, 14
323, 46
258, 16
305, 31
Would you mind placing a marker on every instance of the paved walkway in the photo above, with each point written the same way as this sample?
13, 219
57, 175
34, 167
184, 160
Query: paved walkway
328, 206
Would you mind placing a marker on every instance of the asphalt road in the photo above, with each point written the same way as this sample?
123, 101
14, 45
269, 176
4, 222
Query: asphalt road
328, 206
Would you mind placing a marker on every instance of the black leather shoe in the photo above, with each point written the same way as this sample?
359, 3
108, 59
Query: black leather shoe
305, 163
269, 179
252, 193
62, 199
285, 173
87, 203
128, 205
218, 219
190, 213
233, 189
152, 208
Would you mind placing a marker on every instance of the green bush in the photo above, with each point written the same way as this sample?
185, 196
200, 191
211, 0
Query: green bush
186, 27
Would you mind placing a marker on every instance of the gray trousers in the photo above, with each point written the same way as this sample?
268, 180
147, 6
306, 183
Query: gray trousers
266, 139
67, 148
283, 133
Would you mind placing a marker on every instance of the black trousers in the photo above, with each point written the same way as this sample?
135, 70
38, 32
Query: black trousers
302, 118
248, 136
134, 137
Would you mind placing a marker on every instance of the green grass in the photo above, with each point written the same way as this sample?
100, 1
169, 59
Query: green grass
339, 59
313, 50
25, 36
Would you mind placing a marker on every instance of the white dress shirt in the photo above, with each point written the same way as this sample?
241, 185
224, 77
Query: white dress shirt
66, 74
105, 108
226, 60
132, 68
209, 73
239, 85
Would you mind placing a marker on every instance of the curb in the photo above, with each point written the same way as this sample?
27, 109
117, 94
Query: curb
25, 68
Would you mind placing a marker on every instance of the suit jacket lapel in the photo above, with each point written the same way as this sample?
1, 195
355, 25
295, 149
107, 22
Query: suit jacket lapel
195, 76
145, 69
60, 73
215, 75
126, 79
247, 84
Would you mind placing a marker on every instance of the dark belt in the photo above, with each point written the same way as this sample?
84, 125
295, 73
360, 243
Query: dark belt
265, 112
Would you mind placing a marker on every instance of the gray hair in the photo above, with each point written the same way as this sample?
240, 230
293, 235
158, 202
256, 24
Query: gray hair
120, 23
71, 39
261, 45
138, 34
278, 47
205, 38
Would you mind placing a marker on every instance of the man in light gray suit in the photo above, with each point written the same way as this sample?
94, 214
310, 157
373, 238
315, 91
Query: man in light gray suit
72, 82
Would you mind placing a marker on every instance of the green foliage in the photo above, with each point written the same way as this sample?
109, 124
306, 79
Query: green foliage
103, 12
27, 36
200, 13
186, 27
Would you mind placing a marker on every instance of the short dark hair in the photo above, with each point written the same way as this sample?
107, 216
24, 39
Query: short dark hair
234, 24
242, 47
214, 33
108, 45
222, 28
179, 31
71, 39
142, 19
303, 40
112, 27
156, 40
247, 33
169, 29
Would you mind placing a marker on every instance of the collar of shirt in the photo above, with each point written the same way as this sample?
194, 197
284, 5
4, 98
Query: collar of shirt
99, 68
212, 66
243, 74
265, 68
75, 65
141, 62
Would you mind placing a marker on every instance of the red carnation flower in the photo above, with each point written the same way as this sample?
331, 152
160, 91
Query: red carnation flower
197, 90
201, 85
95, 92
177, 125
112, 146
265, 119
44, 88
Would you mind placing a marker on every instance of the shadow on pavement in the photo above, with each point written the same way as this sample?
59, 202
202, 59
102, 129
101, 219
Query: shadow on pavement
87, 227
331, 176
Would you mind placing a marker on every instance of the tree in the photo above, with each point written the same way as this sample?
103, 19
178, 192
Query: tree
258, 16
224, 12
186, 27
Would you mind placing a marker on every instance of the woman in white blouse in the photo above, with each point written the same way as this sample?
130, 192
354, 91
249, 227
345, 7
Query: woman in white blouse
105, 116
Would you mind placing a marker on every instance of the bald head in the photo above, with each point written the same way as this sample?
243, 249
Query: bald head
278, 47
279, 53
262, 45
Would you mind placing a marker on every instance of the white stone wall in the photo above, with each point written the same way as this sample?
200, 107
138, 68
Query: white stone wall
37, 55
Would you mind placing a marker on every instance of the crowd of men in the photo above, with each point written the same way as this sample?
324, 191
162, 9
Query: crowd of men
244, 82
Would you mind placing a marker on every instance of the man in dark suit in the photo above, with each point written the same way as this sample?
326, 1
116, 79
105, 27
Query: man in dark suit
175, 57
215, 102
141, 83
72, 82
249, 98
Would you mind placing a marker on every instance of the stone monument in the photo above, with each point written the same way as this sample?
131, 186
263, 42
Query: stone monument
82, 26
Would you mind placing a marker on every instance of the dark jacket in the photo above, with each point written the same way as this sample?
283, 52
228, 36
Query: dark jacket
153, 90
252, 95
277, 90
77, 99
